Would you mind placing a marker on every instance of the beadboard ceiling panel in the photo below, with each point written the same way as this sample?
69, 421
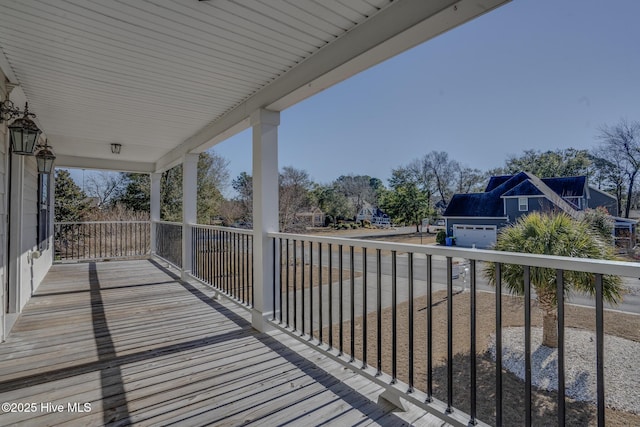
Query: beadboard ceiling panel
167, 77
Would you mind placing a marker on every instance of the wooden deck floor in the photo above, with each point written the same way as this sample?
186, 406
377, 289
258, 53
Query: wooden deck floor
140, 347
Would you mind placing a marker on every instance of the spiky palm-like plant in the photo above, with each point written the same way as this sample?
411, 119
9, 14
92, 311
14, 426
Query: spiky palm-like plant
553, 234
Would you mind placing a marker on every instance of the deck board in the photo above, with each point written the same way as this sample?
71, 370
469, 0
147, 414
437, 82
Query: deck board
144, 348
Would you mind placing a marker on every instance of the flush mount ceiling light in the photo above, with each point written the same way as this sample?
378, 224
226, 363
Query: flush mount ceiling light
24, 132
115, 148
45, 158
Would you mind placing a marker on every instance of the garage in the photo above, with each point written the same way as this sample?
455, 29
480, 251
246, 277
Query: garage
478, 236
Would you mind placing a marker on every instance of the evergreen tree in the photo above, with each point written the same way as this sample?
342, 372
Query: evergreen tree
70, 201
137, 191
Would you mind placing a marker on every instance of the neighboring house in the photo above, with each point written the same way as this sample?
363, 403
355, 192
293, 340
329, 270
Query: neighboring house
374, 215
474, 219
311, 218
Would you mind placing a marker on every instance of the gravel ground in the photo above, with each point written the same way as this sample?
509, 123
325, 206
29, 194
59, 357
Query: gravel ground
622, 380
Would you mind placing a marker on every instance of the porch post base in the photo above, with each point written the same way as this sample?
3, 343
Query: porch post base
392, 397
185, 275
260, 321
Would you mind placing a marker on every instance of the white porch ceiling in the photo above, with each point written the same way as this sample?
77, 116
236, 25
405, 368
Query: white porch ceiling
167, 77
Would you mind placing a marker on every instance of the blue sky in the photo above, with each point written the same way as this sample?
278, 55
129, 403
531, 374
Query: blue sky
533, 74
541, 74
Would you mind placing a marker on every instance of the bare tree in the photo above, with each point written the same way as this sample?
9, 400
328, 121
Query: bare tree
295, 186
230, 211
609, 174
442, 169
103, 187
620, 145
468, 180
358, 191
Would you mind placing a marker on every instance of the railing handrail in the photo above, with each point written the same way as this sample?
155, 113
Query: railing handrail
221, 228
101, 222
618, 268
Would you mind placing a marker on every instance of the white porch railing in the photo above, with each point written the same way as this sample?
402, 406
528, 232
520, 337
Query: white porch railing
78, 241
358, 301
354, 300
223, 258
168, 241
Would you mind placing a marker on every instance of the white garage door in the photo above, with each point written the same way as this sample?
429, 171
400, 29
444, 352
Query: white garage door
479, 236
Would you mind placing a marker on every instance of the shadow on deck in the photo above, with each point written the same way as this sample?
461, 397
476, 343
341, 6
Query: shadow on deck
120, 343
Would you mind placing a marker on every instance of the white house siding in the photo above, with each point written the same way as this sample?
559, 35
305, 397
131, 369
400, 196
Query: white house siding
4, 141
26, 271
33, 269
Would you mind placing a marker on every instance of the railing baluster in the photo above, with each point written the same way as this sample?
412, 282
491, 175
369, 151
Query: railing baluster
252, 288
364, 308
287, 286
245, 269
295, 285
449, 335
234, 276
527, 345
429, 329
237, 266
216, 266
273, 283
280, 273
394, 318
302, 283
561, 381
243, 263
194, 248
472, 315
222, 268
352, 291
340, 300
330, 277
410, 319
224, 264
232, 265
229, 264
320, 323
310, 290
209, 256
498, 291
379, 311
194, 253
600, 350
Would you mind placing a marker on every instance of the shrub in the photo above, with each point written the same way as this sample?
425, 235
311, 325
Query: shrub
440, 237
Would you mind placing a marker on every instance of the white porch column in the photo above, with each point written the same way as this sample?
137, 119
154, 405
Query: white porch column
189, 207
154, 208
265, 211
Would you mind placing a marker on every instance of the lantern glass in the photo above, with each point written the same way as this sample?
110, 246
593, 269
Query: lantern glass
24, 135
45, 159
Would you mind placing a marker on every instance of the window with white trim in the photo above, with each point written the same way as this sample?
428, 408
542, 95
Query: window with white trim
523, 204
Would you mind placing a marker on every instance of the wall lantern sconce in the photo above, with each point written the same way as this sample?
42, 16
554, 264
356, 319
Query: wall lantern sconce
24, 132
45, 158
115, 148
